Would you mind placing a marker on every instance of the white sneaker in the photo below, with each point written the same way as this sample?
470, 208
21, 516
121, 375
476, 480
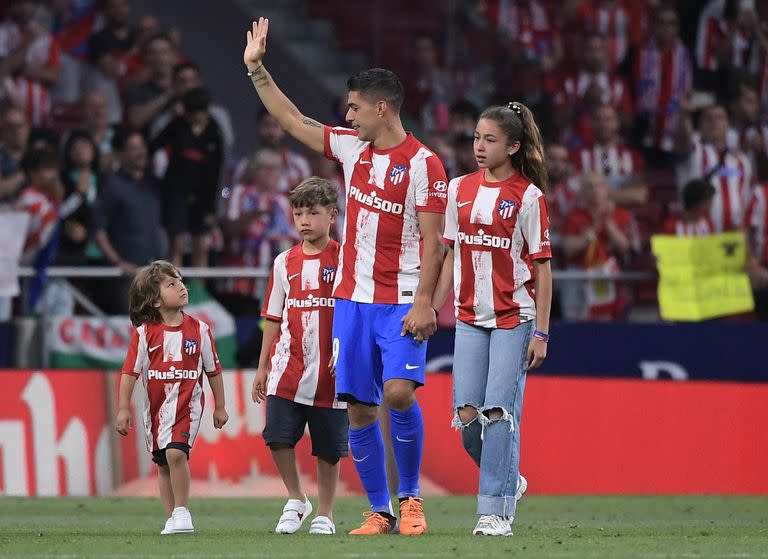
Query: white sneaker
168, 527
522, 487
182, 521
322, 525
294, 514
492, 525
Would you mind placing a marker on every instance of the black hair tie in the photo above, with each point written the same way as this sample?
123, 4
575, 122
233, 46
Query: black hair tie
515, 108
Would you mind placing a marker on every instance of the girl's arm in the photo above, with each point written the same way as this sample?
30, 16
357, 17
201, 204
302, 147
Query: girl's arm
537, 349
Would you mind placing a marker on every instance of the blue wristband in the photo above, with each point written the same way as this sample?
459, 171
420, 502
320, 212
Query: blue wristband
538, 334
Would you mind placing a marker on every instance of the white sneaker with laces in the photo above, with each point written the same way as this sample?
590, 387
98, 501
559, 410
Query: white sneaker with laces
294, 514
168, 527
322, 525
492, 525
522, 487
182, 521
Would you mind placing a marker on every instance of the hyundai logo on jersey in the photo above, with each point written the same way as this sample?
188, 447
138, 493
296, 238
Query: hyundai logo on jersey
190, 347
329, 274
397, 173
506, 207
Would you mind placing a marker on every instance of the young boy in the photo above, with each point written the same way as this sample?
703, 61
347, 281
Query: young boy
170, 351
695, 220
294, 375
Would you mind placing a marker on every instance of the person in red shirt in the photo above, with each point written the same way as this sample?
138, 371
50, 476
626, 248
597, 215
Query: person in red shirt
294, 378
695, 220
596, 236
170, 351
498, 264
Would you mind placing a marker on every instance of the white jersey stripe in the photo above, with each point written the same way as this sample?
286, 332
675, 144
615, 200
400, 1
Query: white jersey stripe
365, 245
482, 266
310, 322
166, 416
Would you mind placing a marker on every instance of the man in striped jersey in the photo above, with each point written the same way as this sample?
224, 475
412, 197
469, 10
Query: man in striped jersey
388, 266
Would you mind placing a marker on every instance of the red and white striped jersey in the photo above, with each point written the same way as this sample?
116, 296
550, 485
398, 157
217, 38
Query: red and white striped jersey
44, 52
295, 169
676, 225
617, 163
380, 257
497, 231
614, 90
300, 297
711, 31
563, 197
610, 20
662, 78
527, 24
43, 215
171, 360
756, 222
731, 175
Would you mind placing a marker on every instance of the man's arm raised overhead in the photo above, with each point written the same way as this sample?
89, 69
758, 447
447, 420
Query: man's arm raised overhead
306, 130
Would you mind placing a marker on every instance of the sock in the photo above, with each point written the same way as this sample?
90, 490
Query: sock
367, 447
408, 443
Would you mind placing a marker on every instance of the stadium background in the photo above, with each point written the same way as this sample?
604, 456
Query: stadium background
625, 405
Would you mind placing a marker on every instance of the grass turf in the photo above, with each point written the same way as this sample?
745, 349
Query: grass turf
558, 527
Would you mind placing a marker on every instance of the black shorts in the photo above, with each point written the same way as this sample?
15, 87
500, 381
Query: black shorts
158, 456
186, 214
328, 427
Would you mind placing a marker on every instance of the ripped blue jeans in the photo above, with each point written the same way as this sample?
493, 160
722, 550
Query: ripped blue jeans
489, 372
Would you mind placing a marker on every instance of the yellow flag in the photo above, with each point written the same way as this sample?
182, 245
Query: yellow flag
702, 277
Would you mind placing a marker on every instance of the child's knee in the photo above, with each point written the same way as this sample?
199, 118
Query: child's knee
175, 457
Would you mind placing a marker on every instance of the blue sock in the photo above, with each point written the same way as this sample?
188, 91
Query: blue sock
408, 444
367, 447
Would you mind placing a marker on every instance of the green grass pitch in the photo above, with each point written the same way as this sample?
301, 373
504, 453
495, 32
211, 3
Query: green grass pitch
557, 527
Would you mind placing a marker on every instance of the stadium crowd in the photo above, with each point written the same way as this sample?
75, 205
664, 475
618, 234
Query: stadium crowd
653, 115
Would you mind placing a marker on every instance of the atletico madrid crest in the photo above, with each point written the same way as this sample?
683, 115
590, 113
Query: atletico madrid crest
329, 274
190, 347
507, 208
397, 173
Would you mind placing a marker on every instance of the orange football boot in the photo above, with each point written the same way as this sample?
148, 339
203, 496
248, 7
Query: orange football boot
375, 524
412, 520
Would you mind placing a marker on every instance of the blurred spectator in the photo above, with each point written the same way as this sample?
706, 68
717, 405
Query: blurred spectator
80, 177
663, 76
428, 91
257, 224
608, 155
706, 155
609, 18
186, 76
147, 101
295, 167
463, 118
194, 149
528, 32
73, 23
108, 51
600, 237
40, 199
95, 121
464, 153
29, 61
563, 194
695, 220
590, 86
14, 137
127, 217
756, 226
136, 70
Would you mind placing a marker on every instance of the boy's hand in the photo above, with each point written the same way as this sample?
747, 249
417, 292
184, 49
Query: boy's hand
259, 389
220, 417
123, 422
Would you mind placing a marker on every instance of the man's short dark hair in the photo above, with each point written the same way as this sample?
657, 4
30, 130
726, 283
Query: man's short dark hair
38, 159
121, 137
377, 84
196, 100
695, 192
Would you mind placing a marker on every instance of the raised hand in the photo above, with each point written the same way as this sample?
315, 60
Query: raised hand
256, 43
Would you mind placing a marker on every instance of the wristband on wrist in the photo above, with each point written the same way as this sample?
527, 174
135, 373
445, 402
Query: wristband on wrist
539, 335
252, 73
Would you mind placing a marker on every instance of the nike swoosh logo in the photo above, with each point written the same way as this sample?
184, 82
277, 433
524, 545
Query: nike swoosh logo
462, 204
155, 347
410, 367
361, 459
293, 276
403, 440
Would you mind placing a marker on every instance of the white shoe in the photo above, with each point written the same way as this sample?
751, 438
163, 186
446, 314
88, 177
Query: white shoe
168, 527
322, 525
522, 487
182, 521
492, 525
294, 514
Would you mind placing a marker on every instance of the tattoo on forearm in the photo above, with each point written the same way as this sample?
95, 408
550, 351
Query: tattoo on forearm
260, 78
311, 122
